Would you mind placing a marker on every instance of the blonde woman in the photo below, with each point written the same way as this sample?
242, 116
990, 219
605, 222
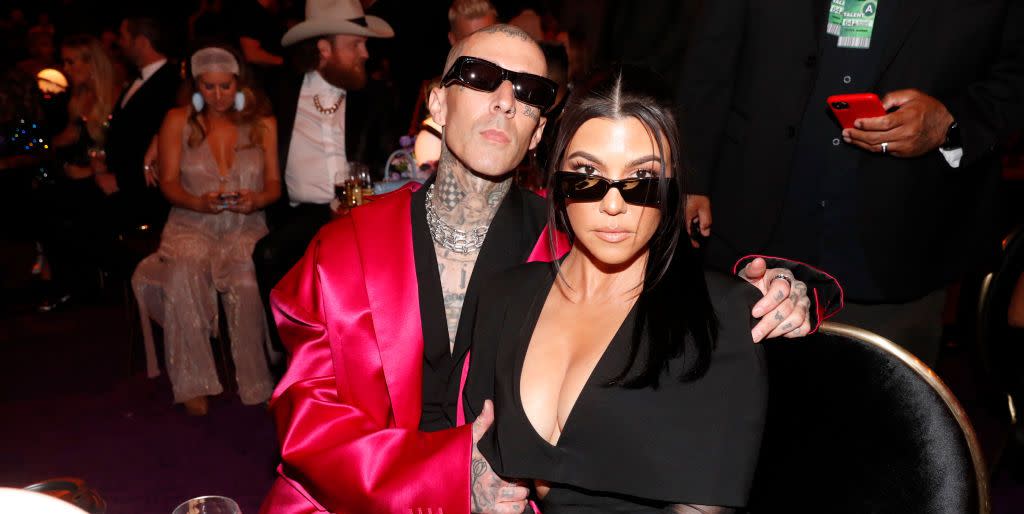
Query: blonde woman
95, 85
218, 169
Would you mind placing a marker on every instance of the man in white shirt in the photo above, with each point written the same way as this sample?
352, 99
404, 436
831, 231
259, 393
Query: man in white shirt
323, 123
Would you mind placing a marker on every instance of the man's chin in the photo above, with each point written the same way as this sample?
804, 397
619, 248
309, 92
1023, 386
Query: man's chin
344, 80
491, 171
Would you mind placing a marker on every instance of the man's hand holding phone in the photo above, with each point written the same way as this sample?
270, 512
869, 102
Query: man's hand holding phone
918, 125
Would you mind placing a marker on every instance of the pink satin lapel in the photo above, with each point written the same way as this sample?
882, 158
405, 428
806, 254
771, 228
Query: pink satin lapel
460, 409
287, 496
542, 250
384, 236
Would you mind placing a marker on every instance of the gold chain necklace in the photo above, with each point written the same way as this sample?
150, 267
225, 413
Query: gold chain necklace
327, 110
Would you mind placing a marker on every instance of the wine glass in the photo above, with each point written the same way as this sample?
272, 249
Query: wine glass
208, 505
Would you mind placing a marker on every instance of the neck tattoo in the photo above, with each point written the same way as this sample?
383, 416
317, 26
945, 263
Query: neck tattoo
460, 205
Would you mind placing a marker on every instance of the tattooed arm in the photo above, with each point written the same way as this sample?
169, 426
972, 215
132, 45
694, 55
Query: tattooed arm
488, 491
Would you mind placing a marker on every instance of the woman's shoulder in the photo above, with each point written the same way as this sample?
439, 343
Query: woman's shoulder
730, 290
177, 116
733, 300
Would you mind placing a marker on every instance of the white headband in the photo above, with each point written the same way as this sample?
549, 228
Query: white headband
213, 59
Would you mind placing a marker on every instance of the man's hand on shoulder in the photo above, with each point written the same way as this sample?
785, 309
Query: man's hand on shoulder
698, 207
490, 493
917, 127
785, 308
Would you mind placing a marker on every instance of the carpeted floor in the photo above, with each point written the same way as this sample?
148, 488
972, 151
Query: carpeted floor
73, 404
71, 408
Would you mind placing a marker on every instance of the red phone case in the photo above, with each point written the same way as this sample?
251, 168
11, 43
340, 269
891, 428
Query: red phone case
849, 108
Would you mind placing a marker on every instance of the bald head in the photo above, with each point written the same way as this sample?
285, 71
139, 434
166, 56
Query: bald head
492, 43
489, 132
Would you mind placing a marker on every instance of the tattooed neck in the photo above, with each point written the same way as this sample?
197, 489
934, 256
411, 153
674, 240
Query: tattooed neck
463, 199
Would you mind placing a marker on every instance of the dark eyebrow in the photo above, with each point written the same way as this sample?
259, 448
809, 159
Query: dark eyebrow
585, 155
644, 160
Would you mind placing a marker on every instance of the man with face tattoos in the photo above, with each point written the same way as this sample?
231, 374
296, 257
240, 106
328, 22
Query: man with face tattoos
377, 315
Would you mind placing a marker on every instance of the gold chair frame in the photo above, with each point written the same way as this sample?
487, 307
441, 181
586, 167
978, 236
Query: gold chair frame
929, 376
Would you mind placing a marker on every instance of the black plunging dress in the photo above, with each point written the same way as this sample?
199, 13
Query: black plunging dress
624, 450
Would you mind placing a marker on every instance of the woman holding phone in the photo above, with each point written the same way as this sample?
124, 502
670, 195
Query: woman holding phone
218, 169
625, 378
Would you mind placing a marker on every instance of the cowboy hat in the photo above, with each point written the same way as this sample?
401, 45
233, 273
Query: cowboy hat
330, 17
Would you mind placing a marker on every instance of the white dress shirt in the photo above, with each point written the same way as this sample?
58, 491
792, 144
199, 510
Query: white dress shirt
316, 154
953, 156
146, 72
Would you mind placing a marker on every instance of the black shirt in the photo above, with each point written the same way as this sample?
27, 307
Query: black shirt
511, 237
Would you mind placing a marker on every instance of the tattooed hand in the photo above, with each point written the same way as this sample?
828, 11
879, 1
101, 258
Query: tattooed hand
489, 493
785, 308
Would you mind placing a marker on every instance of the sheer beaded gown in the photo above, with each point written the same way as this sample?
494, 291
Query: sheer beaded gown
679, 447
202, 255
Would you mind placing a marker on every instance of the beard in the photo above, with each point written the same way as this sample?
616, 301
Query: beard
348, 78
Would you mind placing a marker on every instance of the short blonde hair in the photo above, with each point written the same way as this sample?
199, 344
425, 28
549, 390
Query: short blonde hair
470, 9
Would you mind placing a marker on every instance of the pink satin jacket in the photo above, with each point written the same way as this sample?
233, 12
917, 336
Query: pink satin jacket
348, 408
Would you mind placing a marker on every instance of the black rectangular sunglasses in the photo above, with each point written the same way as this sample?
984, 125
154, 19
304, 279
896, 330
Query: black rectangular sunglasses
484, 75
591, 188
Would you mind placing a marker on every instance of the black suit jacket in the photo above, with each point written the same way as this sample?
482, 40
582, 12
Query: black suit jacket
131, 130
133, 126
369, 135
748, 76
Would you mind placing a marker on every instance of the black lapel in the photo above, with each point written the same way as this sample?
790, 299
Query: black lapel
905, 14
432, 314
503, 248
148, 87
120, 98
819, 9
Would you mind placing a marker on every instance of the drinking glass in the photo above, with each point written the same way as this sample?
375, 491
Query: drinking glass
341, 188
208, 505
359, 183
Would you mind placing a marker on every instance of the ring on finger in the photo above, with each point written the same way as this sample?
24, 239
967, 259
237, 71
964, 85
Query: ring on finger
785, 277
885, 147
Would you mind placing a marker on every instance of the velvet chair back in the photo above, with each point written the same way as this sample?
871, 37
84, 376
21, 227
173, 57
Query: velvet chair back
858, 425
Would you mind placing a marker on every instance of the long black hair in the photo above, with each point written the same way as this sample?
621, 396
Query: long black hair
674, 313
